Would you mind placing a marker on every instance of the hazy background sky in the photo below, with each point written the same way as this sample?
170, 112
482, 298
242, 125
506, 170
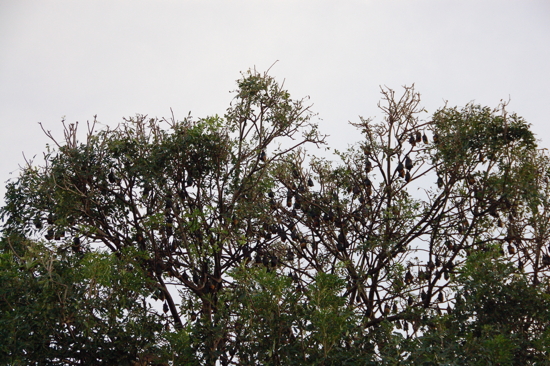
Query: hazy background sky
118, 58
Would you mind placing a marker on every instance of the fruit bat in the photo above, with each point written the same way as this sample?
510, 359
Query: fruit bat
168, 203
289, 254
408, 163
342, 238
368, 166
37, 223
76, 244
409, 277
111, 177
282, 235
399, 168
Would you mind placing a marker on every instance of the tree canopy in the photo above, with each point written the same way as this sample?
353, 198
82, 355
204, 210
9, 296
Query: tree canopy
227, 240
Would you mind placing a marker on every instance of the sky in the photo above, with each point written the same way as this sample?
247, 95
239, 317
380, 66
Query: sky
117, 58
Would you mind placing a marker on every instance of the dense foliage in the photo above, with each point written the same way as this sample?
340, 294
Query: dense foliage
221, 241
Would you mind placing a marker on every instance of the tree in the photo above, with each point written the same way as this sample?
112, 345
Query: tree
184, 202
261, 253
511, 319
58, 308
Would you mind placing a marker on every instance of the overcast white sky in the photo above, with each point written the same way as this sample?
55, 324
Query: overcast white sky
118, 58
